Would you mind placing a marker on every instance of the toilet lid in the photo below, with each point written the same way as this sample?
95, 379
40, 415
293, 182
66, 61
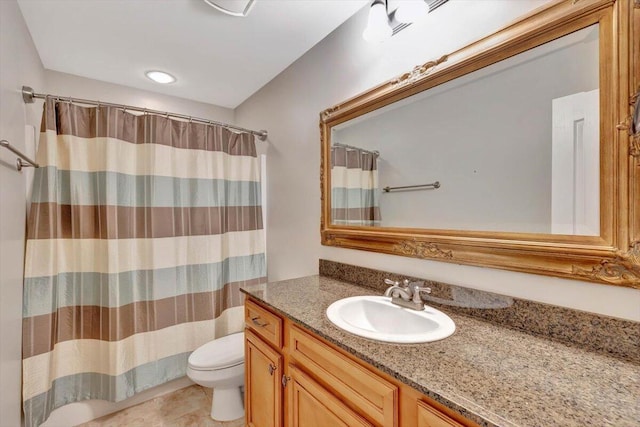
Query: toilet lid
220, 353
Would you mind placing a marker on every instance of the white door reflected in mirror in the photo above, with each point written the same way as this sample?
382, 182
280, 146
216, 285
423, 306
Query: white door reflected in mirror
575, 192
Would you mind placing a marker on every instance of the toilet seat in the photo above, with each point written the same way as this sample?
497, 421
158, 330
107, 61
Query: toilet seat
221, 353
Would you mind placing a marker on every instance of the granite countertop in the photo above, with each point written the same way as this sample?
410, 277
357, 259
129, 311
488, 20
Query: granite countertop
490, 374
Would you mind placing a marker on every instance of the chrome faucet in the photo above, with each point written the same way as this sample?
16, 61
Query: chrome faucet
406, 295
395, 290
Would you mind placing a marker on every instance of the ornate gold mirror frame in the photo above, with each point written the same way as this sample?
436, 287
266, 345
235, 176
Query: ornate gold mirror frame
614, 256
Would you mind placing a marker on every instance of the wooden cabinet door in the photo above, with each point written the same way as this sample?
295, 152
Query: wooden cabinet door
311, 405
263, 386
431, 417
367, 392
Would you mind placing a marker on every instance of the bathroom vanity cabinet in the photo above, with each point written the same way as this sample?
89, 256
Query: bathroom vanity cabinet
295, 378
304, 371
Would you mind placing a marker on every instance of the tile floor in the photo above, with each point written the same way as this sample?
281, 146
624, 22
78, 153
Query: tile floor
187, 407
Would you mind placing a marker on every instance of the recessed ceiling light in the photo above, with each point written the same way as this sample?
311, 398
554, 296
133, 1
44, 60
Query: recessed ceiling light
160, 77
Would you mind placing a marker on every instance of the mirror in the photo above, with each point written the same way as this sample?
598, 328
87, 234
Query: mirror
508, 153
513, 147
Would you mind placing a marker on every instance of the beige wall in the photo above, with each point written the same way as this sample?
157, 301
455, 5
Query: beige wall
341, 66
19, 64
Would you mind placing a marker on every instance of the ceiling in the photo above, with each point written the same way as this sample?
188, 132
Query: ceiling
216, 58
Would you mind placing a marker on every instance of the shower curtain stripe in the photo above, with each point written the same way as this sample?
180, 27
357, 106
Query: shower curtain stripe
119, 322
141, 346
167, 160
115, 385
349, 197
141, 190
356, 214
110, 122
118, 289
142, 229
354, 179
51, 257
164, 221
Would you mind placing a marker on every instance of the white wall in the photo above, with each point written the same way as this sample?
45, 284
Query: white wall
19, 63
341, 66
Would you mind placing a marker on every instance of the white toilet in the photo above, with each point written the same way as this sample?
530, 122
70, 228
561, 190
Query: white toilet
219, 364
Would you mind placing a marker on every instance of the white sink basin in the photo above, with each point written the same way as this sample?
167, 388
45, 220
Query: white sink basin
376, 318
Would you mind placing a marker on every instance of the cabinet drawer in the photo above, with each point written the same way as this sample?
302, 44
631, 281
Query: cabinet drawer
371, 395
263, 322
431, 417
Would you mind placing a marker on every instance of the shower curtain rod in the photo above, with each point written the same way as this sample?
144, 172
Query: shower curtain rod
28, 96
353, 147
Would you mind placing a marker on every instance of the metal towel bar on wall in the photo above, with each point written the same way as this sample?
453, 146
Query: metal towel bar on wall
406, 187
20, 161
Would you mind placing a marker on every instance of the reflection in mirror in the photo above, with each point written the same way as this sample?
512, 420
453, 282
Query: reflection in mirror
354, 186
472, 298
514, 147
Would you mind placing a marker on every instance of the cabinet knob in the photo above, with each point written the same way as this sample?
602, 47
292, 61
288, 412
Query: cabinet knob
272, 369
285, 380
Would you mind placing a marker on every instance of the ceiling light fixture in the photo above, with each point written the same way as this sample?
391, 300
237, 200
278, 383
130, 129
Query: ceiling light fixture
378, 28
222, 9
160, 77
388, 17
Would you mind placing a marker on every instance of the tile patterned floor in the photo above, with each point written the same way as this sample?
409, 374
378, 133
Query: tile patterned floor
187, 407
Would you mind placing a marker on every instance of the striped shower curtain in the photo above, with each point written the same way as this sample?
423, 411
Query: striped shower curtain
141, 231
355, 197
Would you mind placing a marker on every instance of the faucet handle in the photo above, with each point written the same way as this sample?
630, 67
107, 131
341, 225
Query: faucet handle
416, 288
391, 282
